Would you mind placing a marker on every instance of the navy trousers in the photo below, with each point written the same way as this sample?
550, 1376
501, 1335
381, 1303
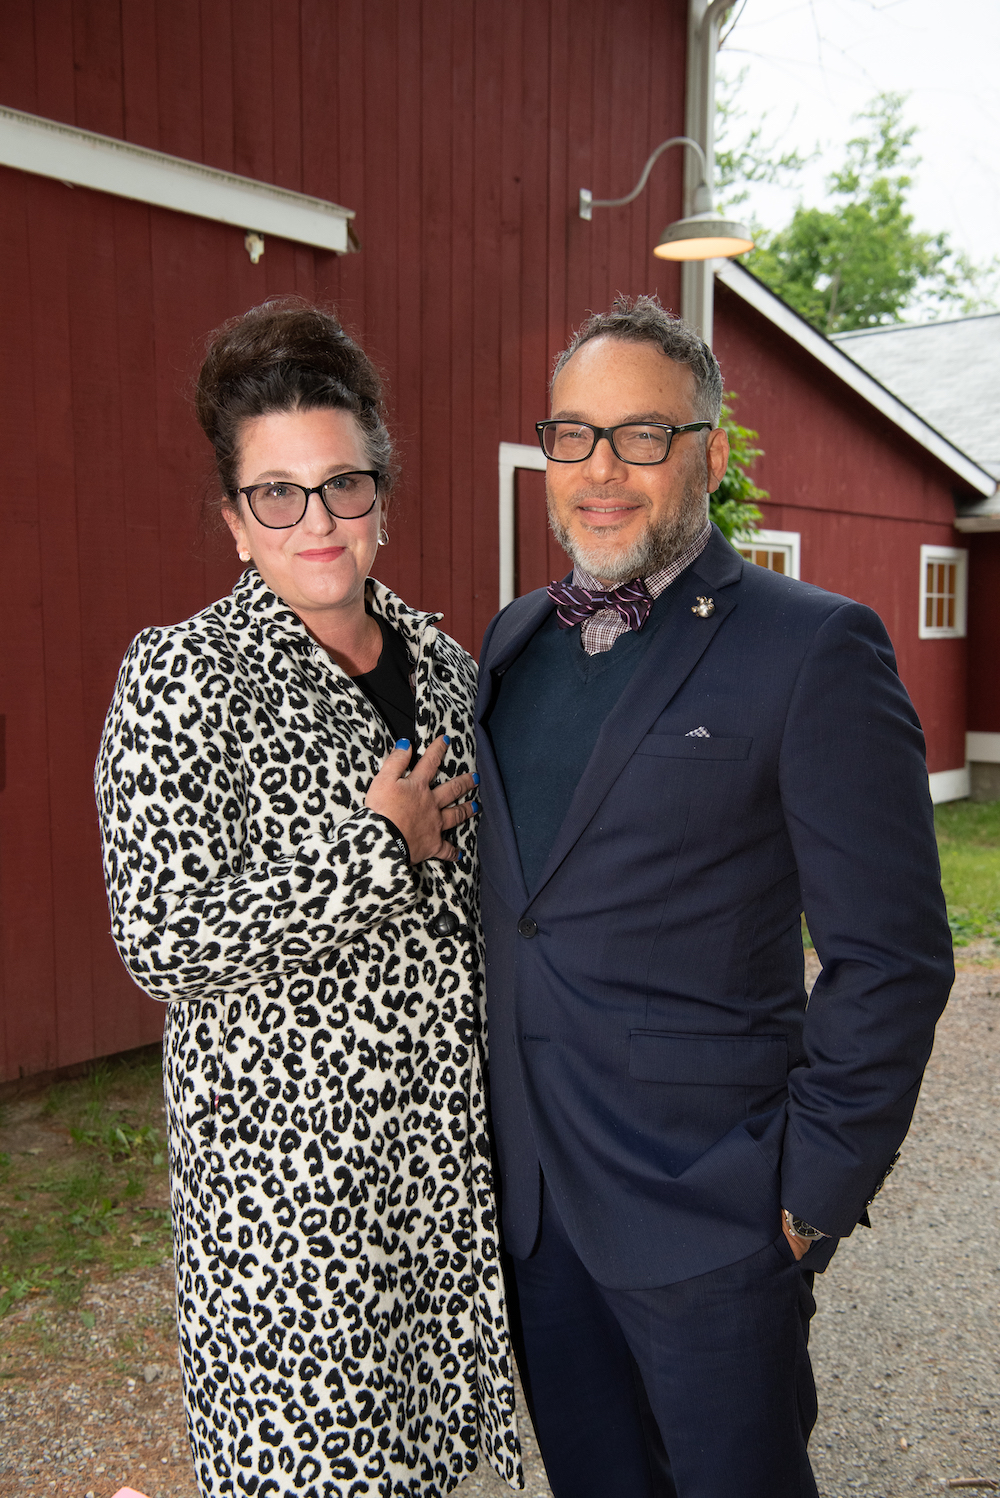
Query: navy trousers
701, 1389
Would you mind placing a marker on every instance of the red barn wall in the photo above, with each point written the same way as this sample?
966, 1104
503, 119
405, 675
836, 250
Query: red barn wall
984, 631
863, 495
461, 132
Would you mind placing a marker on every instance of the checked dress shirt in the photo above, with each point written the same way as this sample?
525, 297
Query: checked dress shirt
601, 630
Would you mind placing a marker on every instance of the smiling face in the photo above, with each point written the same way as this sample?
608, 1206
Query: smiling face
623, 520
318, 567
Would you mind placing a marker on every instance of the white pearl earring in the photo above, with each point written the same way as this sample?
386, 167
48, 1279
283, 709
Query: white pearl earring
383, 536
244, 556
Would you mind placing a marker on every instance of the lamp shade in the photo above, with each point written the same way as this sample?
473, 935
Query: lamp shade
704, 236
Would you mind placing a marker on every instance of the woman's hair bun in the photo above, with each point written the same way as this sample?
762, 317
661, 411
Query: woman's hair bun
286, 355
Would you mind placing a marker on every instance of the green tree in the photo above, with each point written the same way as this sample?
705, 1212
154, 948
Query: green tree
742, 155
861, 263
733, 506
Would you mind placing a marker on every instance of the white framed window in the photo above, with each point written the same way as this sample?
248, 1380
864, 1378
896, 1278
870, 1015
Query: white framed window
943, 574
778, 551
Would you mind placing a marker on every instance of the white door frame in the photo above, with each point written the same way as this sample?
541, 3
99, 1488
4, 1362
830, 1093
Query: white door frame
513, 455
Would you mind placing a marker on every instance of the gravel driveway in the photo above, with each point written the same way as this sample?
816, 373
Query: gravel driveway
905, 1340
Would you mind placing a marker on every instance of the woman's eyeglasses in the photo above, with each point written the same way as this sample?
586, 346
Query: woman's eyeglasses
280, 504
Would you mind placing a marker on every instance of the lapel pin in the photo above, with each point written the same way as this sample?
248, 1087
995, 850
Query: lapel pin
703, 608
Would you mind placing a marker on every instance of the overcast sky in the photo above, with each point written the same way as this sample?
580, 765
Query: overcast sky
811, 64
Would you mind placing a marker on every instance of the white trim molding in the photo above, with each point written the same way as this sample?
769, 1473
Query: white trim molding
983, 748
960, 559
949, 785
832, 356
513, 455
985, 519
50, 149
788, 541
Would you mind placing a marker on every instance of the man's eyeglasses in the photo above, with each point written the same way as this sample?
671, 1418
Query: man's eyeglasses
279, 505
632, 442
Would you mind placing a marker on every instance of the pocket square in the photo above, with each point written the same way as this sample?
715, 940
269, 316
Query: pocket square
698, 733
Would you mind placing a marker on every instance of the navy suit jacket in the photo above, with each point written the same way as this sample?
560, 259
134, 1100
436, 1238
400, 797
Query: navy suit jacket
650, 1046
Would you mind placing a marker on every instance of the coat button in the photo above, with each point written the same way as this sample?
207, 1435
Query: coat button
527, 927
445, 923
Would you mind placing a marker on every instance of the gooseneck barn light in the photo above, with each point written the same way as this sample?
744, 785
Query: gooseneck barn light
702, 236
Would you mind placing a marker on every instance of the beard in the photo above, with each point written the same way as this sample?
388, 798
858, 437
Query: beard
659, 544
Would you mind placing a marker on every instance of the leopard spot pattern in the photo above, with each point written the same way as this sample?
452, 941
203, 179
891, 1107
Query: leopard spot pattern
340, 1303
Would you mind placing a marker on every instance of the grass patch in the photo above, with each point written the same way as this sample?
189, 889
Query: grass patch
968, 835
88, 1195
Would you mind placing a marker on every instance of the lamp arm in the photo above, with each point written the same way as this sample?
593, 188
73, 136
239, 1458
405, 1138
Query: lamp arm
587, 201
716, 8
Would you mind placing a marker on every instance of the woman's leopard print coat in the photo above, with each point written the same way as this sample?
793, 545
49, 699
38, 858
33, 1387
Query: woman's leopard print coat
340, 1302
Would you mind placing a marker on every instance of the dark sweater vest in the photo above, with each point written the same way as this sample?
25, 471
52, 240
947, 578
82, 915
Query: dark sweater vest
552, 702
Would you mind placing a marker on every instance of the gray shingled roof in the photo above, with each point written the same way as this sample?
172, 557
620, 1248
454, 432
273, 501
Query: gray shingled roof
948, 372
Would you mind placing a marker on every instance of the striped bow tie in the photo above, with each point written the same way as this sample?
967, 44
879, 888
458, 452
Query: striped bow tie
631, 602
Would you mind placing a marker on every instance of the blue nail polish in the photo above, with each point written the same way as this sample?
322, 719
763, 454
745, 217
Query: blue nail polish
475, 780
475, 806
402, 744
447, 739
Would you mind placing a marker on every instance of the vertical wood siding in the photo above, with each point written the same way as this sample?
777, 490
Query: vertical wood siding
539, 558
461, 132
984, 631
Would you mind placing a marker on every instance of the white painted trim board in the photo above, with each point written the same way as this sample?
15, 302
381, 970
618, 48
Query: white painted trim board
50, 149
513, 455
949, 785
983, 748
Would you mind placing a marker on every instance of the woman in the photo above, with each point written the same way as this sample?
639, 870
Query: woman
305, 899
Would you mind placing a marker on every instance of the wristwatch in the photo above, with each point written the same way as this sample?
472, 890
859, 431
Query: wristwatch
801, 1229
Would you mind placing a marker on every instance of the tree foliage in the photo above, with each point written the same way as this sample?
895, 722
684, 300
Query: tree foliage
861, 263
733, 506
743, 156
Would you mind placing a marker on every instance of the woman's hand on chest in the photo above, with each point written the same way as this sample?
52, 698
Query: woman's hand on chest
422, 811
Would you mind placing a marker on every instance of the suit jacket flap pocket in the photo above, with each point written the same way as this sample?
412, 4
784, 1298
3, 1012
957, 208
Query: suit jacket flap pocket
708, 1060
691, 746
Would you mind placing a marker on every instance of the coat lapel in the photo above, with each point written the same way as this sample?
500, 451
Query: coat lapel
511, 633
679, 643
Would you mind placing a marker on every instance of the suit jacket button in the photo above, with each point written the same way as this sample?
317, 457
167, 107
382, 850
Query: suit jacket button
527, 927
445, 923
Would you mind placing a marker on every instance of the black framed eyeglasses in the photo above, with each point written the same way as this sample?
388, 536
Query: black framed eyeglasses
280, 504
631, 441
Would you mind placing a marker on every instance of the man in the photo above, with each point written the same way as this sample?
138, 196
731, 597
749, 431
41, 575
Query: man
679, 751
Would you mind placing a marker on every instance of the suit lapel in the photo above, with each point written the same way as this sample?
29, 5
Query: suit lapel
511, 634
512, 631
680, 641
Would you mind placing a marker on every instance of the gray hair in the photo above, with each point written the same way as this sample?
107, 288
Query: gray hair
643, 320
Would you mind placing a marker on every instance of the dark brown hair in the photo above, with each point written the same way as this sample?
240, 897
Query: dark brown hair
287, 355
643, 320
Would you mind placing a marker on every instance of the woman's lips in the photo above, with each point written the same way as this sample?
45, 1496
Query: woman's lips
327, 554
